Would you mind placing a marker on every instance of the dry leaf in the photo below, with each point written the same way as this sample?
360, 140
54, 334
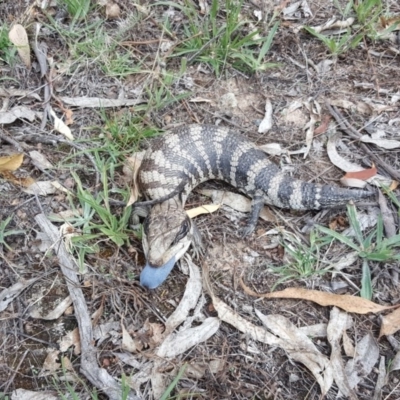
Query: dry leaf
195, 370
379, 108
178, 343
59, 126
71, 338
200, 100
336, 328
363, 108
205, 209
23, 394
18, 112
348, 346
309, 135
68, 113
142, 9
362, 175
11, 163
24, 182
61, 188
7, 295
204, 7
189, 300
56, 313
313, 331
236, 201
386, 22
342, 103
113, 10
128, 359
353, 183
273, 149
367, 354
324, 125
388, 144
69, 120
346, 302
347, 166
11, 92
158, 380
266, 123
336, 159
388, 218
390, 323
131, 170
294, 10
395, 365
67, 232
50, 363
66, 363
104, 331
332, 23
393, 185
381, 380
41, 188
157, 331
39, 160
310, 126
19, 39
128, 343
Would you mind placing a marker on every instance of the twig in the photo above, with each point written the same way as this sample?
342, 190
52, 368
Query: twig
35, 339
341, 122
7, 139
99, 377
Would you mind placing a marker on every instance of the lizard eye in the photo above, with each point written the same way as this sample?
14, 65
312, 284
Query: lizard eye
183, 231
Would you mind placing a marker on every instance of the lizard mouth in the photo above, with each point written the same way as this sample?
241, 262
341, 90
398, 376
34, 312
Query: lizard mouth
152, 277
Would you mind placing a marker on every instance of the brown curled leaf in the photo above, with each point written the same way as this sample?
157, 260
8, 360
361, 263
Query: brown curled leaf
362, 175
346, 302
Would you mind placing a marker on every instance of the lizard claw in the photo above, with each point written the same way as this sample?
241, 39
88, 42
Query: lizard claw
246, 231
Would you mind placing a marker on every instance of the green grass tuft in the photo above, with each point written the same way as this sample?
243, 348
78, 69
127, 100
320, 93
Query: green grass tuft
373, 247
78, 9
5, 233
218, 38
7, 50
367, 14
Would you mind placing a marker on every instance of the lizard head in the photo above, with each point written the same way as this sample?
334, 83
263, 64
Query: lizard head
167, 234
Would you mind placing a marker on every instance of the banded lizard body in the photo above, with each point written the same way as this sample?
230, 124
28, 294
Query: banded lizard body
192, 154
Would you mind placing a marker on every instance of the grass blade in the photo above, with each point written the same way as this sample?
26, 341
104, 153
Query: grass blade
166, 394
339, 237
353, 218
366, 283
268, 42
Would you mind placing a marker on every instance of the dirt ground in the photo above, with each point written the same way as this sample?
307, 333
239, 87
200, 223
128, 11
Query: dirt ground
40, 353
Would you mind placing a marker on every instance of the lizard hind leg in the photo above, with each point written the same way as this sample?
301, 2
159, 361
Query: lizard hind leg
257, 203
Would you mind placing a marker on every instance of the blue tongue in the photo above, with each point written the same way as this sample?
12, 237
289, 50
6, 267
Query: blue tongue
152, 277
